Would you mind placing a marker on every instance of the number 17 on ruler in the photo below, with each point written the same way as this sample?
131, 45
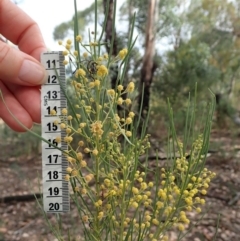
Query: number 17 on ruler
54, 163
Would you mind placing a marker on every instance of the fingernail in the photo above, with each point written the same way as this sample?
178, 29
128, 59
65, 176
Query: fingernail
32, 73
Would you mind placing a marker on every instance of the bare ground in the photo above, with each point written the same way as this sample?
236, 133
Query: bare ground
23, 220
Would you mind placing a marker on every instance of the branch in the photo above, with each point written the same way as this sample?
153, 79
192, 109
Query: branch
21, 198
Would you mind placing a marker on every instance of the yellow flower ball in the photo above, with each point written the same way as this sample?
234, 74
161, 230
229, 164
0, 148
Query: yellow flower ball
97, 82
68, 46
198, 210
155, 222
58, 139
84, 190
122, 53
67, 178
135, 204
74, 172
64, 111
95, 152
85, 218
120, 101
100, 215
65, 52
181, 227
86, 150
69, 169
89, 177
204, 192
130, 87
128, 120
81, 143
128, 101
79, 38
69, 41
81, 72
85, 55
111, 92
135, 190
102, 70
128, 133
83, 163
131, 114
120, 88
65, 62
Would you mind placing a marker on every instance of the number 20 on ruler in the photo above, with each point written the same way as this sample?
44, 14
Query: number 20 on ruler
54, 163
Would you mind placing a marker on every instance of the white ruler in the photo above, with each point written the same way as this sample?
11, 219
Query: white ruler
54, 163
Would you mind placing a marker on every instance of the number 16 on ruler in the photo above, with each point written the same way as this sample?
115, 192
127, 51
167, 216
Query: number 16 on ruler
54, 164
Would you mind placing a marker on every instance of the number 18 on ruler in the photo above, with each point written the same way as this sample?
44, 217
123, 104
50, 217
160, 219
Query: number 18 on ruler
54, 163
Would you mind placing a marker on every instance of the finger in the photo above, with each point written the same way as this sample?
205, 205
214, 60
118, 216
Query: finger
20, 29
17, 110
19, 68
29, 98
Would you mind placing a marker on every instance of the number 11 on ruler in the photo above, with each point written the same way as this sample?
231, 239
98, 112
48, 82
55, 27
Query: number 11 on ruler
54, 163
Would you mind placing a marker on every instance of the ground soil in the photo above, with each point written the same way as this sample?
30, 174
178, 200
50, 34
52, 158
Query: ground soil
23, 220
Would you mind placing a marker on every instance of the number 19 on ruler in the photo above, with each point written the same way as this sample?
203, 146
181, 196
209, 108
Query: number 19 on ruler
54, 163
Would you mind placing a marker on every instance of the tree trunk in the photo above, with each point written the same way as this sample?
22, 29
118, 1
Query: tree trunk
148, 66
109, 36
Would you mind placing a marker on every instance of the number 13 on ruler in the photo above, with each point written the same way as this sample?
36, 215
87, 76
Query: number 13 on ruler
54, 163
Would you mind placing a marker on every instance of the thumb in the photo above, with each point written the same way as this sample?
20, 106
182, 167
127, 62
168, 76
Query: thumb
19, 68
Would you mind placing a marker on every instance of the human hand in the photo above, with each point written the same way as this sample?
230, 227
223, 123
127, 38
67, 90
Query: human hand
20, 72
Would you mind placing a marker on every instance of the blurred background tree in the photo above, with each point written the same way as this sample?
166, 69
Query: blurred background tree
180, 43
